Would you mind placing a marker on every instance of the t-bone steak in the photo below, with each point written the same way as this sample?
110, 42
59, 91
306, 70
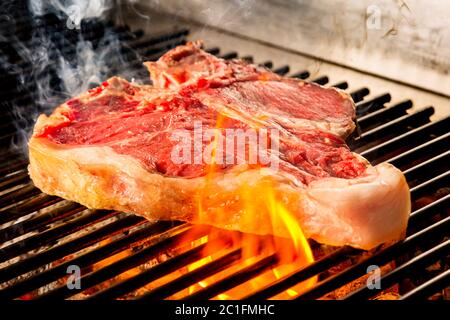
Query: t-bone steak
113, 147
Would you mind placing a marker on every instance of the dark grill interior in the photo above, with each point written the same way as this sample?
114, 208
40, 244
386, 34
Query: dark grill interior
42, 235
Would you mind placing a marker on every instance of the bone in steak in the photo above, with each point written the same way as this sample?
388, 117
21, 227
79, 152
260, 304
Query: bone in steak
111, 148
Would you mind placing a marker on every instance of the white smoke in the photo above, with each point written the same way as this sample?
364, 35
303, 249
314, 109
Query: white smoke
88, 68
61, 72
84, 9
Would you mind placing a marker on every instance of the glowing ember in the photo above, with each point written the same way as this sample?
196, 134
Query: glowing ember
292, 253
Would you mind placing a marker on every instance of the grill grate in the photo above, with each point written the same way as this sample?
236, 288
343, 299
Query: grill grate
43, 235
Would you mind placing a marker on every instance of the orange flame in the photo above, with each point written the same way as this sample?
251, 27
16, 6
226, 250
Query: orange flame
293, 251
258, 202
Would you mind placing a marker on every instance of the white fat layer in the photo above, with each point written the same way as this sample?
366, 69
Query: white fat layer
362, 212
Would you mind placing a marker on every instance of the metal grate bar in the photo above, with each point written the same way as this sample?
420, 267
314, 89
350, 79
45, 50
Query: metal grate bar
235, 279
430, 166
282, 70
83, 261
19, 177
305, 273
193, 277
394, 127
267, 64
383, 115
301, 75
432, 184
214, 51
13, 165
435, 206
334, 282
430, 147
154, 273
65, 249
230, 55
416, 135
321, 80
33, 224
248, 59
372, 105
10, 156
147, 54
67, 49
358, 95
398, 124
160, 49
51, 235
114, 269
414, 265
341, 85
428, 288
159, 39
18, 195
36, 203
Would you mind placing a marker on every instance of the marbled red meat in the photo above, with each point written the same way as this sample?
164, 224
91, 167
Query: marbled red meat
113, 148
142, 126
254, 90
192, 85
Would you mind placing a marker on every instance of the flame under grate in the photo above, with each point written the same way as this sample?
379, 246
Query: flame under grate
125, 256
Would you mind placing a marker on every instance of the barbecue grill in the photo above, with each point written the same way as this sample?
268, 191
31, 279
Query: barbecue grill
123, 256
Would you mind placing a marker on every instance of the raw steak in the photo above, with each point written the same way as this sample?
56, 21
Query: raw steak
112, 148
253, 90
